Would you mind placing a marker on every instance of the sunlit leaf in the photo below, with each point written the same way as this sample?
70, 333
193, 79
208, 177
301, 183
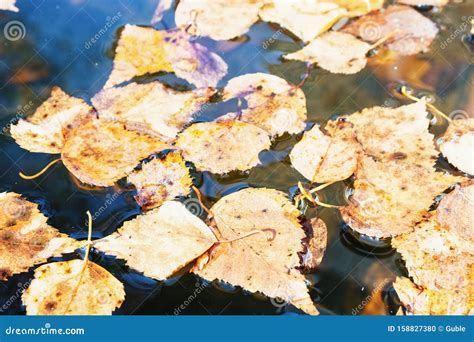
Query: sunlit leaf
457, 145
316, 245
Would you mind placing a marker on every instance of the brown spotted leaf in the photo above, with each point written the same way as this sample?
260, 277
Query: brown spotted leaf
257, 263
316, 244
272, 103
25, 237
161, 241
59, 289
457, 145
162, 109
46, 130
224, 146
160, 180
102, 152
144, 50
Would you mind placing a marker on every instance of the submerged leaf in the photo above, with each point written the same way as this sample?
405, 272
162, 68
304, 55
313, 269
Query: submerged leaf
102, 152
163, 109
46, 130
224, 146
160, 180
457, 145
144, 50
161, 241
25, 237
322, 159
55, 290
337, 52
254, 262
412, 32
211, 17
272, 103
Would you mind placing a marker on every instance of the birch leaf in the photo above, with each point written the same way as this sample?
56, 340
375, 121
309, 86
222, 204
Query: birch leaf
254, 262
305, 19
316, 246
161, 241
102, 152
337, 52
53, 290
322, 159
162, 109
26, 238
412, 32
160, 180
143, 50
457, 145
224, 146
359, 7
272, 103
211, 17
8, 5
46, 130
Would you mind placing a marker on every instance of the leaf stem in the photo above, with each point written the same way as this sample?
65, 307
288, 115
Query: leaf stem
36, 175
429, 105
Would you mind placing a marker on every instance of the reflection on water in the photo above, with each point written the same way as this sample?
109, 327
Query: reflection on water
356, 272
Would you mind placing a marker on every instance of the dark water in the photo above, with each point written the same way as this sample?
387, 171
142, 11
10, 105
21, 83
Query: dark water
355, 275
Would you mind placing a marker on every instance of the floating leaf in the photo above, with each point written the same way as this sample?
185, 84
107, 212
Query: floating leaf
337, 52
305, 19
253, 262
223, 146
322, 159
102, 152
211, 17
163, 109
46, 130
412, 32
272, 103
420, 301
457, 145
144, 50
56, 290
8, 5
25, 237
316, 245
161, 241
359, 7
160, 180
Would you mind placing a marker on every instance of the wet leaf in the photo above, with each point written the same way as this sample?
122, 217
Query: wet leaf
102, 152
55, 290
26, 238
272, 103
457, 145
316, 245
160, 180
305, 19
46, 130
224, 146
144, 50
322, 159
412, 32
211, 17
161, 241
162, 109
255, 262
8, 5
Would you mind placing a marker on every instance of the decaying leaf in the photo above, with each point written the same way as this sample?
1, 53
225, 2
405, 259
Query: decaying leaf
272, 103
218, 19
25, 237
160, 180
55, 290
337, 52
316, 245
8, 5
457, 145
144, 50
161, 241
224, 146
437, 3
420, 301
305, 19
46, 130
255, 262
321, 158
163, 109
412, 32
102, 152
